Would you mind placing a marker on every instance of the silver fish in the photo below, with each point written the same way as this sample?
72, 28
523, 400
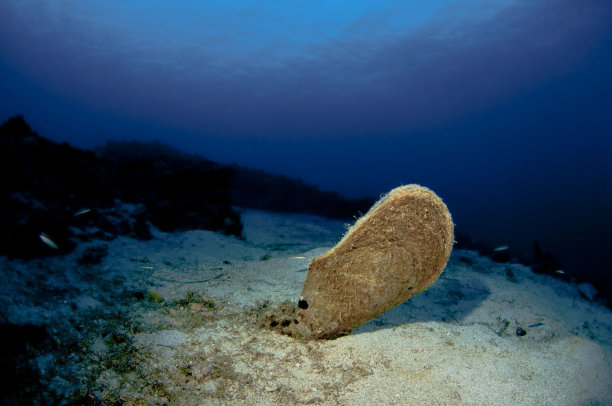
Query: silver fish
81, 212
47, 240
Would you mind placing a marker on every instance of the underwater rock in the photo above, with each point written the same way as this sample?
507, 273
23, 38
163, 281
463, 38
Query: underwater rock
544, 263
396, 250
587, 291
93, 255
55, 195
21, 344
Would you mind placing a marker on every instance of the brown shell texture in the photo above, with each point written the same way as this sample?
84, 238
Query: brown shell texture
396, 250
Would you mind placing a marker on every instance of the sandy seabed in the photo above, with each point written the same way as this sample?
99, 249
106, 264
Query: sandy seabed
184, 320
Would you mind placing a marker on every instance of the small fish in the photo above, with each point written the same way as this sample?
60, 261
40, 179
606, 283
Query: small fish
146, 267
47, 240
501, 248
299, 257
560, 271
81, 212
535, 325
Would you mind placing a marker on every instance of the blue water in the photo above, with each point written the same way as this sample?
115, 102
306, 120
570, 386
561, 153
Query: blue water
502, 107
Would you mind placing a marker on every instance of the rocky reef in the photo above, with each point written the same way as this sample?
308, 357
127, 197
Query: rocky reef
55, 195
